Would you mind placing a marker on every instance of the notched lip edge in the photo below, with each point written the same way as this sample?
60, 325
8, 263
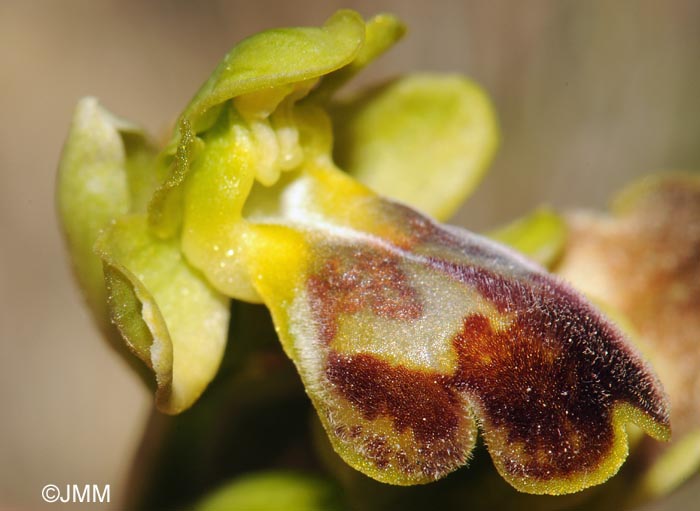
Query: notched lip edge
369, 469
611, 462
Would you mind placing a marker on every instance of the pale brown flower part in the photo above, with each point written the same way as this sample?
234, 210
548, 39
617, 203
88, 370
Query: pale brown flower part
644, 260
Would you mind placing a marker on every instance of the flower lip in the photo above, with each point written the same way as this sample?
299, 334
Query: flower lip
550, 381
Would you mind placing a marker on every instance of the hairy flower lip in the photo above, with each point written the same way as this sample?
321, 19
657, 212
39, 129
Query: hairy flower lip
364, 425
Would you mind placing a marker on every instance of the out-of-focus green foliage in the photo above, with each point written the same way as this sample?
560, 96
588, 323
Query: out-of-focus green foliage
272, 491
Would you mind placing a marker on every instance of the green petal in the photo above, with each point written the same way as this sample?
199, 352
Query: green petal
425, 140
165, 208
221, 178
278, 57
541, 235
101, 176
168, 315
272, 491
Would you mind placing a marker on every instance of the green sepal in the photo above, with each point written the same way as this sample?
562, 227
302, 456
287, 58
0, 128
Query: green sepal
167, 314
106, 170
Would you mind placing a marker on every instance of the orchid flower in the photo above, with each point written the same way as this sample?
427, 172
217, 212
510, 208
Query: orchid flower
409, 336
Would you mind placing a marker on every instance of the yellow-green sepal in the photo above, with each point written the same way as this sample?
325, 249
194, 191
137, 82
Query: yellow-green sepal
167, 313
106, 170
425, 140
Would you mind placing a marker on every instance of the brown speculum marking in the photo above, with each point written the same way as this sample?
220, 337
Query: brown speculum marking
545, 385
352, 280
419, 400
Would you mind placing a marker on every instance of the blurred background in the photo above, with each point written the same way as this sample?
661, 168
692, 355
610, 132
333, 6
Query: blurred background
589, 94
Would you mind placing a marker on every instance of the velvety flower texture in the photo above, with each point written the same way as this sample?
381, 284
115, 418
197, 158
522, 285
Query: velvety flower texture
409, 336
